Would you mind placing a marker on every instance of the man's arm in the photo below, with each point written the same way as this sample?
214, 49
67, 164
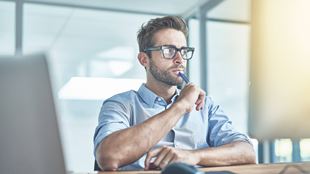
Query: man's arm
227, 146
127, 145
229, 154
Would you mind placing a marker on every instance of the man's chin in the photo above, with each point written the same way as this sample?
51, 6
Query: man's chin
175, 83
172, 80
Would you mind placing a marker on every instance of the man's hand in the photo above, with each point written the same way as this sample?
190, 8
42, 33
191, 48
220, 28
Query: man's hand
166, 155
190, 95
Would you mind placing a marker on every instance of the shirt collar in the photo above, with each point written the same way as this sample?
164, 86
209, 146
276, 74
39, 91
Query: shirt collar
150, 97
175, 96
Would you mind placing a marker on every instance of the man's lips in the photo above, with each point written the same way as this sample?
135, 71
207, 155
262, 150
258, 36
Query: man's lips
176, 71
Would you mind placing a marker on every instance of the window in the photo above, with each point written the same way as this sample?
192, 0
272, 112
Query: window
283, 150
228, 71
90, 54
305, 149
7, 29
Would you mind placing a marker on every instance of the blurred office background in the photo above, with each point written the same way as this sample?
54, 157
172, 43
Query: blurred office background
92, 51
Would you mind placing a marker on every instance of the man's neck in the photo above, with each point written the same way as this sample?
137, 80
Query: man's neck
163, 90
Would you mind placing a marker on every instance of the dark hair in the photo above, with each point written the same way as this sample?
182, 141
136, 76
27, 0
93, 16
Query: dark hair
146, 33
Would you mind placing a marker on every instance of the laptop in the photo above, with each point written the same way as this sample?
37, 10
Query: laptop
29, 135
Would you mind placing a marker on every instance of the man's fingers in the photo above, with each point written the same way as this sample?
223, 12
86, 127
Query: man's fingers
202, 95
150, 155
166, 160
201, 100
200, 105
162, 154
198, 101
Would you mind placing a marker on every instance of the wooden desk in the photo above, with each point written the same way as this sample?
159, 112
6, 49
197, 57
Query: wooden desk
242, 169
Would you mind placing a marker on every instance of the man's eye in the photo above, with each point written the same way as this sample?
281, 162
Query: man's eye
183, 51
168, 50
171, 50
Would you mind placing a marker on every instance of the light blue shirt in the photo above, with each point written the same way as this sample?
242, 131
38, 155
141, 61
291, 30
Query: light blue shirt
209, 127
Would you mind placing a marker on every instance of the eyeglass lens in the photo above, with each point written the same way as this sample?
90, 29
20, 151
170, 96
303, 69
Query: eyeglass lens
170, 52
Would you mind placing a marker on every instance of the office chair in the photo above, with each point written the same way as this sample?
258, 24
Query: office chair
96, 166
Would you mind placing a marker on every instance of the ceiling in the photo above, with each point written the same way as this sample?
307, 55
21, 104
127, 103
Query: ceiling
159, 7
57, 24
76, 33
228, 9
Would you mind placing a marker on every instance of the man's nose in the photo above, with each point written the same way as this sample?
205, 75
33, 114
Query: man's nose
178, 58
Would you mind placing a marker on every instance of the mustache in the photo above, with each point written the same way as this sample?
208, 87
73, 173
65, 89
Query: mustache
178, 67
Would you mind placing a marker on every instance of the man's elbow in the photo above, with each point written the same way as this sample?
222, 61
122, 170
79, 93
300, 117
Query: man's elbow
247, 152
252, 157
108, 164
107, 159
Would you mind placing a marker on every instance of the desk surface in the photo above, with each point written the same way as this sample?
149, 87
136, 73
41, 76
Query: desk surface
241, 169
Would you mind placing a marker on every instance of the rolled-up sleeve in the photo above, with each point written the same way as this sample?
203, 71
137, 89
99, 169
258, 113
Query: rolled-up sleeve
220, 129
113, 116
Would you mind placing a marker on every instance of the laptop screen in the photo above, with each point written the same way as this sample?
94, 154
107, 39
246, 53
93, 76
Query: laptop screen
29, 135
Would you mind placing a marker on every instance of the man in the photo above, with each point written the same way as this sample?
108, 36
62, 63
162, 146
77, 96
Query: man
159, 124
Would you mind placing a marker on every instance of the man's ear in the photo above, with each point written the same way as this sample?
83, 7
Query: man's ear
143, 59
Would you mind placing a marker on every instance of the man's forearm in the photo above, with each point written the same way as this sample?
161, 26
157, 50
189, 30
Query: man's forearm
128, 145
229, 154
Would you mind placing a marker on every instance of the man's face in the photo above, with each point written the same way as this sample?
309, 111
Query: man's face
166, 70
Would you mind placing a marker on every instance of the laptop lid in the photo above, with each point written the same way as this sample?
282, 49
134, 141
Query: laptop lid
29, 136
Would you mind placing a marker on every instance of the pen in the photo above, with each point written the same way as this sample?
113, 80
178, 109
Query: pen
183, 76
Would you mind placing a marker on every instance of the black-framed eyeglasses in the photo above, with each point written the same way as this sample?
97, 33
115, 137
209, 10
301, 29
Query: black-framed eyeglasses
169, 51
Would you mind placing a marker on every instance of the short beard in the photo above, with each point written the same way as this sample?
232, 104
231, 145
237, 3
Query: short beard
163, 76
